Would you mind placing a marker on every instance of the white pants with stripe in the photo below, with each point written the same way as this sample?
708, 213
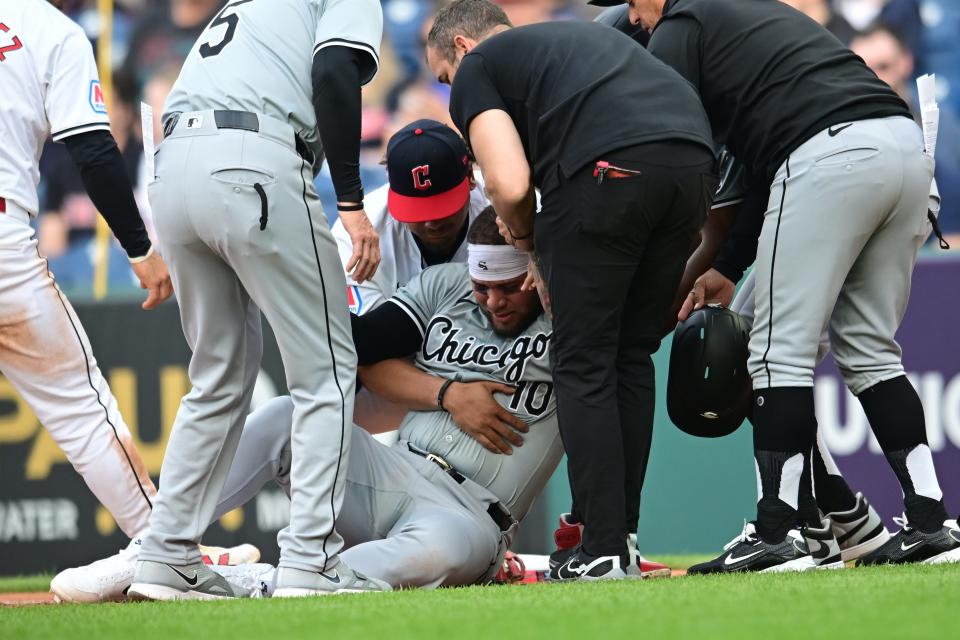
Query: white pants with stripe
46, 356
846, 215
242, 230
403, 520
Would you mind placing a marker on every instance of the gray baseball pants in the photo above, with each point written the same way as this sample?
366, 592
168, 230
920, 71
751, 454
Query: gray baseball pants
846, 215
404, 520
242, 230
743, 304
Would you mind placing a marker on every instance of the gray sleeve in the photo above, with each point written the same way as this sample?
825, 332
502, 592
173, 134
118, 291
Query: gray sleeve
430, 292
356, 24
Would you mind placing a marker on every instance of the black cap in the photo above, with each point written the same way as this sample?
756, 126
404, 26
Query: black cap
428, 168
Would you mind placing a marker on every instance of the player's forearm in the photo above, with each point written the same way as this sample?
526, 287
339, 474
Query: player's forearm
740, 248
105, 178
712, 238
401, 382
516, 212
336, 100
506, 172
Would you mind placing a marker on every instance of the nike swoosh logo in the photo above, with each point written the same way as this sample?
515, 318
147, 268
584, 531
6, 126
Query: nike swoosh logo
861, 522
572, 570
955, 534
190, 581
832, 132
731, 560
906, 547
335, 578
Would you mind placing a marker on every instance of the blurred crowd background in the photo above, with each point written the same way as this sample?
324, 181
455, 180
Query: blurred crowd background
898, 39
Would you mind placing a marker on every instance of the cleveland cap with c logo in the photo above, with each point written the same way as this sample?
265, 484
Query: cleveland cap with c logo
428, 167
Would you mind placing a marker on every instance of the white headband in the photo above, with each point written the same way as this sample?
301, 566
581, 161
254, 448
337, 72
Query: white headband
493, 263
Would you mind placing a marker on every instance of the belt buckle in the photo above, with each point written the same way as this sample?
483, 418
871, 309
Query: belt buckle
440, 462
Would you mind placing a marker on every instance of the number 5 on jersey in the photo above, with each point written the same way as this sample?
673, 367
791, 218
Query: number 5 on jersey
208, 50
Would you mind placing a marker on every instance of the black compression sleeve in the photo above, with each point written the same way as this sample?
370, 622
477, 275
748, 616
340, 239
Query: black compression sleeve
337, 75
384, 333
740, 249
105, 178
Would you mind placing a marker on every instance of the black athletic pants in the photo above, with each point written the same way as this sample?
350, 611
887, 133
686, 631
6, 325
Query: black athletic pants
613, 253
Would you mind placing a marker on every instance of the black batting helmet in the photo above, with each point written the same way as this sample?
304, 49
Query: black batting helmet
708, 388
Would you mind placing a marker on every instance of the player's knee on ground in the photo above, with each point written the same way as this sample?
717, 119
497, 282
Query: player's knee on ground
267, 430
443, 549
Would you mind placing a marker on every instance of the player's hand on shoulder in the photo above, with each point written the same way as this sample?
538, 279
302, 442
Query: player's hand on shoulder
155, 278
521, 244
366, 245
474, 409
711, 287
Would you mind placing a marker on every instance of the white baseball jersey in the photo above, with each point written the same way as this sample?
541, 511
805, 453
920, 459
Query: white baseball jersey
272, 44
50, 87
400, 258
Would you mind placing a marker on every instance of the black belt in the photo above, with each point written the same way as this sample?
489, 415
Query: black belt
497, 512
243, 120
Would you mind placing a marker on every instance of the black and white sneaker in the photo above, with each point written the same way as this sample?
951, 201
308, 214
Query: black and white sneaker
582, 566
567, 536
953, 530
859, 530
912, 545
560, 557
748, 552
823, 551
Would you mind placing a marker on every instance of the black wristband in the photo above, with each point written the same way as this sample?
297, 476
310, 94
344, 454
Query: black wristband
443, 392
353, 196
350, 207
516, 237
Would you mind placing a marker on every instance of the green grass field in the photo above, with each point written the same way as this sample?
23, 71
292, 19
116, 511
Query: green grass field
887, 602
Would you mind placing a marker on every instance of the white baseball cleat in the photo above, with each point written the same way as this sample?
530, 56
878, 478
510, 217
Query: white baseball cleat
107, 580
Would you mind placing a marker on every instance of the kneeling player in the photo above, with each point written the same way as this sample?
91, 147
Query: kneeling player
437, 508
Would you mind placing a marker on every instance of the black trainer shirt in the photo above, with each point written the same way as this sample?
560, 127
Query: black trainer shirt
769, 76
575, 90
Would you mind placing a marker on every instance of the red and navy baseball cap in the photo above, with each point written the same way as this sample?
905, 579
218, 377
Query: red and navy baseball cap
429, 168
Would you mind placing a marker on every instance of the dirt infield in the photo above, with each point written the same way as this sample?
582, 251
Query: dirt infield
25, 599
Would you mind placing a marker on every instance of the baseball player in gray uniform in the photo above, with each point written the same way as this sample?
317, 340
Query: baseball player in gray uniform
265, 93
437, 508
849, 181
